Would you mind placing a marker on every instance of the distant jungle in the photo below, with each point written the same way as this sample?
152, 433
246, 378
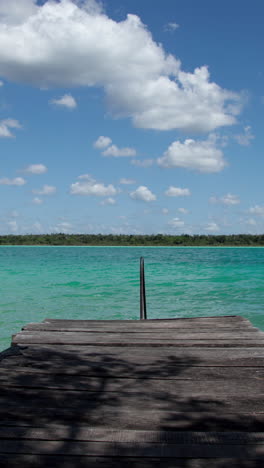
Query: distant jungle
253, 240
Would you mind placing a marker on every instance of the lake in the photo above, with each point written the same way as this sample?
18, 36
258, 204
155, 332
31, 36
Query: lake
103, 283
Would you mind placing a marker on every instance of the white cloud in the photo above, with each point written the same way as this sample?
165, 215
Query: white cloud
1, 83
113, 150
257, 210
45, 190
176, 223
177, 192
183, 210
36, 169
63, 227
212, 227
142, 162
125, 181
14, 12
16, 181
143, 193
171, 27
245, 138
37, 201
202, 156
65, 101
89, 186
228, 199
102, 142
140, 80
5, 126
108, 201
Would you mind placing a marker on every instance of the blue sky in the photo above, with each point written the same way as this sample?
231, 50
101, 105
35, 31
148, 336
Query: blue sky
131, 116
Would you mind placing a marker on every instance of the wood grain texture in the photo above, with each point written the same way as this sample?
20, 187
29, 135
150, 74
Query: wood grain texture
170, 393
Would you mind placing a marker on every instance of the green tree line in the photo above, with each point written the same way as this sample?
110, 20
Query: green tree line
134, 240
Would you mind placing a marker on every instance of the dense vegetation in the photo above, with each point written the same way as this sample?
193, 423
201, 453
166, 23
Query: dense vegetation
133, 240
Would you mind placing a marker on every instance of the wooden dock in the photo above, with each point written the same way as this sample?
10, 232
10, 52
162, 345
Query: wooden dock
133, 394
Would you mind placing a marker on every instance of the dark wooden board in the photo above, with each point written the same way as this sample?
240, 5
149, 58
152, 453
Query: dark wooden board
160, 335
196, 414
61, 356
82, 461
103, 434
222, 318
156, 389
25, 376
136, 341
139, 329
63, 379
130, 449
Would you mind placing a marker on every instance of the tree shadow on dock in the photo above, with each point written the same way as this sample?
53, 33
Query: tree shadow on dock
115, 406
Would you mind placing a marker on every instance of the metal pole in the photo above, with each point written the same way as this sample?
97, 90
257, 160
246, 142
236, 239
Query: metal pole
143, 308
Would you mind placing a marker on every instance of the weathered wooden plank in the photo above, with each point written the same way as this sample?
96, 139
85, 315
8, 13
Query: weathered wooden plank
24, 376
82, 461
216, 318
126, 387
85, 365
167, 375
83, 339
138, 329
160, 335
105, 434
198, 414
68, 356
129, 449
65, 461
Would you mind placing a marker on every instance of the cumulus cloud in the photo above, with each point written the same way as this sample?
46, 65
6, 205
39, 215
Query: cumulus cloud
86, 185
202, 156
171, 27
165, 211
257, 210
212, 227
113, 150
14, 12
125, 181
63, 227
108, 201
36, 169
65, 101
45, 190
143, 193
228, 199
140, 79
16, 181
5, 126
176, 223
177, 192
142, 162
244, 139
110, 149
102, 142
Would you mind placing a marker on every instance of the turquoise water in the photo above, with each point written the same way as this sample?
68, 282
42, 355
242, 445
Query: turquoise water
103, 283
